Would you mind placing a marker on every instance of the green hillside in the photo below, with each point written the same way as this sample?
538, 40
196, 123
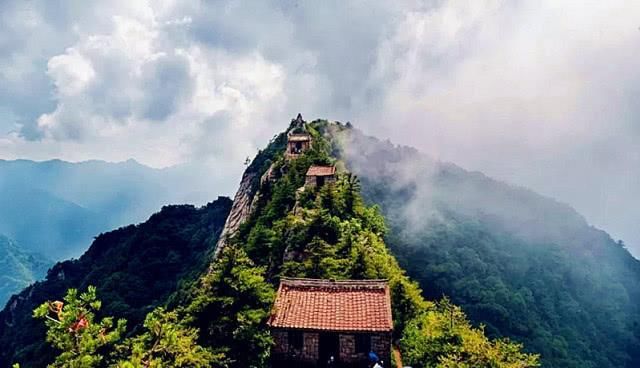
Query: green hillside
525, 266
325, 232
135, 268
19, 268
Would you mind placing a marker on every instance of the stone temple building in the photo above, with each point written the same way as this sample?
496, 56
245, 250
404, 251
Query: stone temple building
314, 320
298, 139
297, 143
318, 176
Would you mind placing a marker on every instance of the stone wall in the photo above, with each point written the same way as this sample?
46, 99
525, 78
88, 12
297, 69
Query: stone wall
281, 340
381, 345
312, 181
310, 343
348, 349
292, 153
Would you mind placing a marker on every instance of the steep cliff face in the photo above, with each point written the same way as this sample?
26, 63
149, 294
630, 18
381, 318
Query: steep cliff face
240, 210
259, 170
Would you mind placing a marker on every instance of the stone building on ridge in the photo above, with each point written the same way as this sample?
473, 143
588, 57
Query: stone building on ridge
297, 143
314, 320
318, 176
298, 139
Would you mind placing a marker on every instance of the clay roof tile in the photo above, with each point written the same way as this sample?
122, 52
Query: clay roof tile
321, 170
347, 305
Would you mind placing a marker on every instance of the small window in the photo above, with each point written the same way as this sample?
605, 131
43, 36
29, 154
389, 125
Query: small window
295, 340
363, 343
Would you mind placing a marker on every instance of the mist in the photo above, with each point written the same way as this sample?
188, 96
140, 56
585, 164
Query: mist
534, 94
56, 208
423, 191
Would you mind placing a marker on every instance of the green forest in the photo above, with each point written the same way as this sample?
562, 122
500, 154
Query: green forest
20, 267
482, 274
134, 270
521, 264
218, 319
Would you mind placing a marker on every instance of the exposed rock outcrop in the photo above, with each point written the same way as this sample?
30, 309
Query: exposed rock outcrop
240, 211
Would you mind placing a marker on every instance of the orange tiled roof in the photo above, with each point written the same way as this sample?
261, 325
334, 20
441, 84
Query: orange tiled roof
321, 171
349, 305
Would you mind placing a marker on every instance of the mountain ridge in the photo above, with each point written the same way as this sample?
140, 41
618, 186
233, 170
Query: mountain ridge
93, 196
509, 256
505, 252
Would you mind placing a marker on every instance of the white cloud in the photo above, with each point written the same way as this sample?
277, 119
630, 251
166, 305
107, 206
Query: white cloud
525, 91
130, 90
70, 72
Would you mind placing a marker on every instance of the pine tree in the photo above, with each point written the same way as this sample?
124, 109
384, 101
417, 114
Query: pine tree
72, 328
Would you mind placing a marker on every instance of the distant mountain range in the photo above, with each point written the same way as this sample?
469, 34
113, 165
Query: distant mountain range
53, 210
56, 208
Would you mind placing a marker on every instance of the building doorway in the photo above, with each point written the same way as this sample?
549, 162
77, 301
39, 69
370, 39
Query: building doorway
298, 148
329, 346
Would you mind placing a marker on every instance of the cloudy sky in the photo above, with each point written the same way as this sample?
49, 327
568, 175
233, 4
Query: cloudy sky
539, 93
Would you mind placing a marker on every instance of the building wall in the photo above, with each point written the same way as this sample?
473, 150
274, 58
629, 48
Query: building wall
310, 344
291, 147
348, 349
281, 342
381, 345
282, 348
311, 181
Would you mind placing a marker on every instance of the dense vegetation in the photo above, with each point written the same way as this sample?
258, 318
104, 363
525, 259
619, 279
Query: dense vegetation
86, 340
135, 269
527, 267
330, 233
219, 321
19, 268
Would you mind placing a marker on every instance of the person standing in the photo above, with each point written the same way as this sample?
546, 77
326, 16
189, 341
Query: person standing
373, 358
